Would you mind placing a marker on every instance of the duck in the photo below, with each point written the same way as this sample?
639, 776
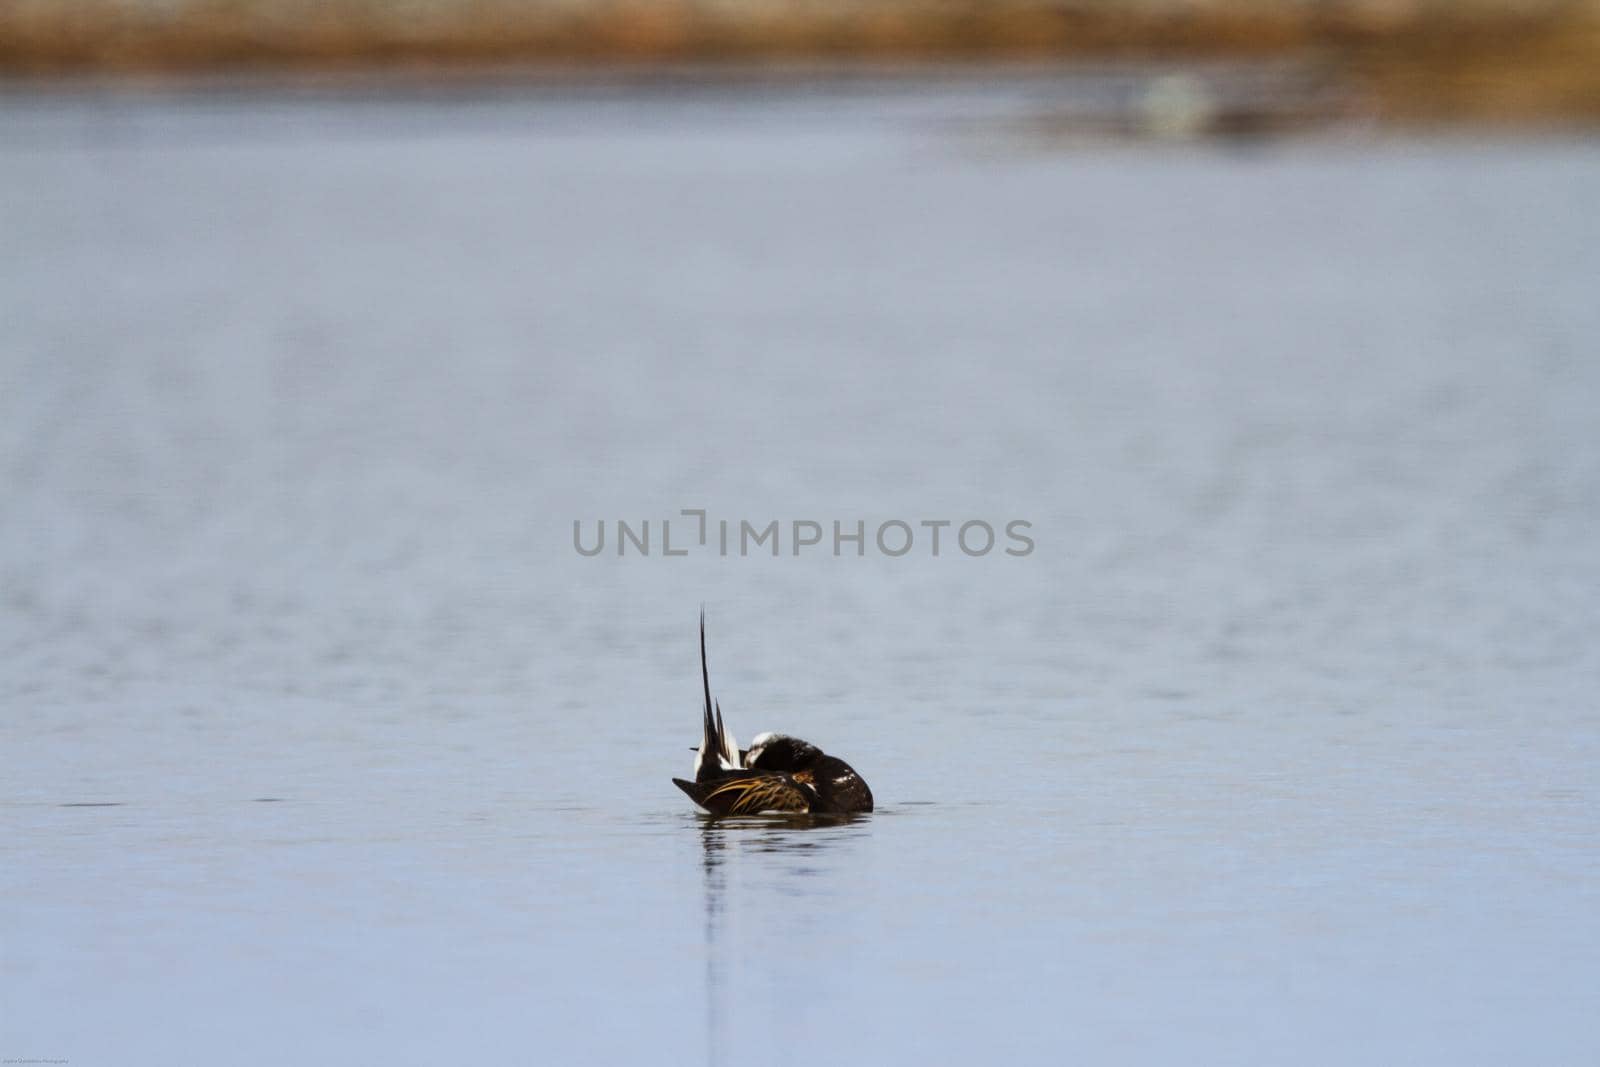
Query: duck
776, 774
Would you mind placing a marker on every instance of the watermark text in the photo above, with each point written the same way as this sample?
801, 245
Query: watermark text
697, 532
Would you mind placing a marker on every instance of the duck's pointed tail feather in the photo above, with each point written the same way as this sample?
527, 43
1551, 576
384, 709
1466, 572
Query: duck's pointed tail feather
712, 736
718, 751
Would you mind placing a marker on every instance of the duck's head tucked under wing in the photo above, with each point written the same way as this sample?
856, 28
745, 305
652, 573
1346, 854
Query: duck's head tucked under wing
780, 752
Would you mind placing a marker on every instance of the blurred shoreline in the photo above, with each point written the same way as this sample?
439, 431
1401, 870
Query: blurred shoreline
1396, 63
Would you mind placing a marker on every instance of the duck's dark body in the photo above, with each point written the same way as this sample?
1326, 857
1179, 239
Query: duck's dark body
777, 773
824, 785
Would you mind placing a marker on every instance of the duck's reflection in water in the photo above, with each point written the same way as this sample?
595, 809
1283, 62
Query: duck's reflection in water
800, 838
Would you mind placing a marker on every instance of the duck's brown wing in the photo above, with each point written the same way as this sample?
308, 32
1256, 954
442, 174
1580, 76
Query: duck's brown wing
750, 794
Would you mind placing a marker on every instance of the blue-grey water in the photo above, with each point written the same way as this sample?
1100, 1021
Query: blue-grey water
322, 744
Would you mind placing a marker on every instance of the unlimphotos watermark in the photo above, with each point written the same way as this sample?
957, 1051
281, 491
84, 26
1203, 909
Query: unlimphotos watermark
893, 538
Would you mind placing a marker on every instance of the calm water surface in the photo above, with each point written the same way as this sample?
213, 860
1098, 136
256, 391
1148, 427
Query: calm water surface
324, 746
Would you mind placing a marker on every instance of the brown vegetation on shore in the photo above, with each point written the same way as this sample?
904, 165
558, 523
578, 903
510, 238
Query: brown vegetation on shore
1533, 62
